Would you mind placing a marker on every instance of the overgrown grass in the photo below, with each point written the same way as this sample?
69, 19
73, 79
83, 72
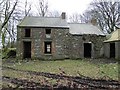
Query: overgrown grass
93, 69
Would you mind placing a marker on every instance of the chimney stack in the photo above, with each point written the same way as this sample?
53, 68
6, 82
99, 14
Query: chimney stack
63, 15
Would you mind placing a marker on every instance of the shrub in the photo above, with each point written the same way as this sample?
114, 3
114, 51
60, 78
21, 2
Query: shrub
9, 53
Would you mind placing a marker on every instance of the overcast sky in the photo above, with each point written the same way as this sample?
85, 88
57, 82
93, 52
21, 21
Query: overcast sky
68, 6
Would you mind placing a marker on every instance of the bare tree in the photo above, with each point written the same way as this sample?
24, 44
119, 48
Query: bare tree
86, 16
27, 10
75, 18
6, 14
22, 10
54, 14
106, 13
42, 8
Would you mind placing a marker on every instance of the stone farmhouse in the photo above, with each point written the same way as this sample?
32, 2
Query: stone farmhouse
55, 38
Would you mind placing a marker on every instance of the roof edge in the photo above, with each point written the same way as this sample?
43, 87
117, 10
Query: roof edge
43, 27
107, 41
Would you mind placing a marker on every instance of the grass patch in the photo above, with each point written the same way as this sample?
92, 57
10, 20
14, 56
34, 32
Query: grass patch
87, 68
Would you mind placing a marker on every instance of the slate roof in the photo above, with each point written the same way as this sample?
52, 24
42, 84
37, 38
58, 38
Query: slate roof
44, 22
58, 22
114, 36
83, 28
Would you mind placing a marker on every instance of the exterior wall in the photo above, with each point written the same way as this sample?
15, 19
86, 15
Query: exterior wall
118, 50
117, 46
59, 39
64, 45
60, 42
98, 45
77, 49
37, 42
106, 50
19, 43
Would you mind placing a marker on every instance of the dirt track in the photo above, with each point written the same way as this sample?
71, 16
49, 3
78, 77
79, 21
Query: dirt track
83, 81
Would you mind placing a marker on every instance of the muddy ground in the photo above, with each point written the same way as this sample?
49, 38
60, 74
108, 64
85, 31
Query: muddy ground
72, 82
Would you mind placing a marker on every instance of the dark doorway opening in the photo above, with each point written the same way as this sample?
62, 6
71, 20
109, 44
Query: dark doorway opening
27, 49
48, 47
112, 50
87, 50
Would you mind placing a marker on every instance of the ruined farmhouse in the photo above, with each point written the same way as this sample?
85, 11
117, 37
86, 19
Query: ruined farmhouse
55, 38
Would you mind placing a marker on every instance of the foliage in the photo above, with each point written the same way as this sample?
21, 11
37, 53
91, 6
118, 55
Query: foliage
8, 53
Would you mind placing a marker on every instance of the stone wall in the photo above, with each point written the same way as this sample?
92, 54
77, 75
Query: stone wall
107, 49
98, 45
19, 44
118, 50
64, 45
59, 39
77, 49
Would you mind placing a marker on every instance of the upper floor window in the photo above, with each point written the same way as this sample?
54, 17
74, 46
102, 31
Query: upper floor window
48, 33
27, 32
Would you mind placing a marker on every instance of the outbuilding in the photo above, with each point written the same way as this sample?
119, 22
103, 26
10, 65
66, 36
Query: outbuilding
112, 45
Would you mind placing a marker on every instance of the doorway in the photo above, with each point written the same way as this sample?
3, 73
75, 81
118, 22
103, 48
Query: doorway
27, 49
112, 50
87, 50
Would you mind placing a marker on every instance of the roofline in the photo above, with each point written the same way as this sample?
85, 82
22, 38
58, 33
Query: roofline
76, 23
111, 41
86, 34
42, 27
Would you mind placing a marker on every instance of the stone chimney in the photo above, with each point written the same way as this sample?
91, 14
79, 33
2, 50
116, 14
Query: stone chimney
93, 21
63, 15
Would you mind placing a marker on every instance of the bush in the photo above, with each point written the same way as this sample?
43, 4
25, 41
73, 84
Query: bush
9, 53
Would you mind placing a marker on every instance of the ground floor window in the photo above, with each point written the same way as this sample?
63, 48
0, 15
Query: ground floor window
48, 47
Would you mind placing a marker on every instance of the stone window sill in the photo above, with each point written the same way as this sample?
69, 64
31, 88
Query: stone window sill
48, 54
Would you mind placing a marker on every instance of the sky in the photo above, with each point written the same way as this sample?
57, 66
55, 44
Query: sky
68, 6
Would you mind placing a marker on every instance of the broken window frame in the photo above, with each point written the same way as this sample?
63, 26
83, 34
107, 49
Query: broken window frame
27, 32
48, 33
